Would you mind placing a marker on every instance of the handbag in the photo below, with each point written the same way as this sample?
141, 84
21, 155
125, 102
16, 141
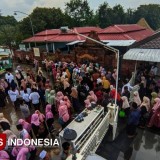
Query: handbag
122, 114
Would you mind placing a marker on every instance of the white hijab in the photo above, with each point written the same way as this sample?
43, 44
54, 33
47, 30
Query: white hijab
125, 103
136, 98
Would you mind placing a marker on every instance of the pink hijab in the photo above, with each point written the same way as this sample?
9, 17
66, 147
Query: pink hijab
63, 111
48, 111
22, 155
35, 119
157, 104
59, 96
93, 96
25, 124
136, 98
67, 101
87, 103
16, 150
4, 155
40, 115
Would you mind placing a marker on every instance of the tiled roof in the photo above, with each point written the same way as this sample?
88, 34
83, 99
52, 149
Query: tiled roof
39, 38
116, 32
114, 37
66, 38
49, 32
122, 28
151, 42
86, 29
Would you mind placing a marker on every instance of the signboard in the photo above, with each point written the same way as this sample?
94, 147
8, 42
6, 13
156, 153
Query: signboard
22, 47
36, 52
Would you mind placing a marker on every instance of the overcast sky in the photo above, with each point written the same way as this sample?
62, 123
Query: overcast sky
8, 6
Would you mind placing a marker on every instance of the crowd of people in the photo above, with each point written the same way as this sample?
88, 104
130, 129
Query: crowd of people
74, 87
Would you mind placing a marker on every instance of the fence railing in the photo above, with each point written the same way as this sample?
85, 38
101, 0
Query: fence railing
96, 138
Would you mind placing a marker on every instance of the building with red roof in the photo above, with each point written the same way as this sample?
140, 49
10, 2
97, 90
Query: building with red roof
116, 35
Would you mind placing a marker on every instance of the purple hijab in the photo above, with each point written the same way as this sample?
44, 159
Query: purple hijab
48, 111
35, 119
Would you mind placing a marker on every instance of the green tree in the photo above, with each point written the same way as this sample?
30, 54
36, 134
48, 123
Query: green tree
118, 15
80, 12
151, 13
9, 36
130, 16
8, 20
42, 18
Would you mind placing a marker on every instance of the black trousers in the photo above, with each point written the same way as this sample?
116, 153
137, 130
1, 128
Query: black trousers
36, 106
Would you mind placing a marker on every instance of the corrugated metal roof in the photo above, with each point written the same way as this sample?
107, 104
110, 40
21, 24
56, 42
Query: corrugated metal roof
74, 42
2, 53
149, 55
122, 28
119, 42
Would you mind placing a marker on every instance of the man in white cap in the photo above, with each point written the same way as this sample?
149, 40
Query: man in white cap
44, 155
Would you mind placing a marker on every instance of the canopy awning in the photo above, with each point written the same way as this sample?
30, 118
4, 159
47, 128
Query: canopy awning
74, 42
149, 55
119, 42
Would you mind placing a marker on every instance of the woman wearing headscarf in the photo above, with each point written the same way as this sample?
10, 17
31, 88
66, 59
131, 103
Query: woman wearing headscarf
10, 136
75, 100
144, 108
63, 114
4, 123
155, 120
113, 93
15, 151
59, 97
66, 85
154, 96
68, 104
106, 84
35, 123
94, 97
87, 103
4, 155
125, 105
8, 133
133, 120
42, 127
22, 154
4, 84
19, 77
25, 125
52, 97
49, 116
136, 98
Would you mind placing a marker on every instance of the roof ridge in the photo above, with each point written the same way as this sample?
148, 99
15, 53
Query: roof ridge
119, 28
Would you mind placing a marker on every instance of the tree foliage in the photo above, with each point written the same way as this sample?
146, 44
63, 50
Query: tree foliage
79, 11
151, 13
9, 36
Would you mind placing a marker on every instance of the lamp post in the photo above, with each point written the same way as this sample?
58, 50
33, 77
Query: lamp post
15, 13
109, 48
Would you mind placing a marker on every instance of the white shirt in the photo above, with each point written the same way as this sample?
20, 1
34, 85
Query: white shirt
154, 70
99, 80
34, 96
13, 95
26, 97
29, 91
21, 93
9, 78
